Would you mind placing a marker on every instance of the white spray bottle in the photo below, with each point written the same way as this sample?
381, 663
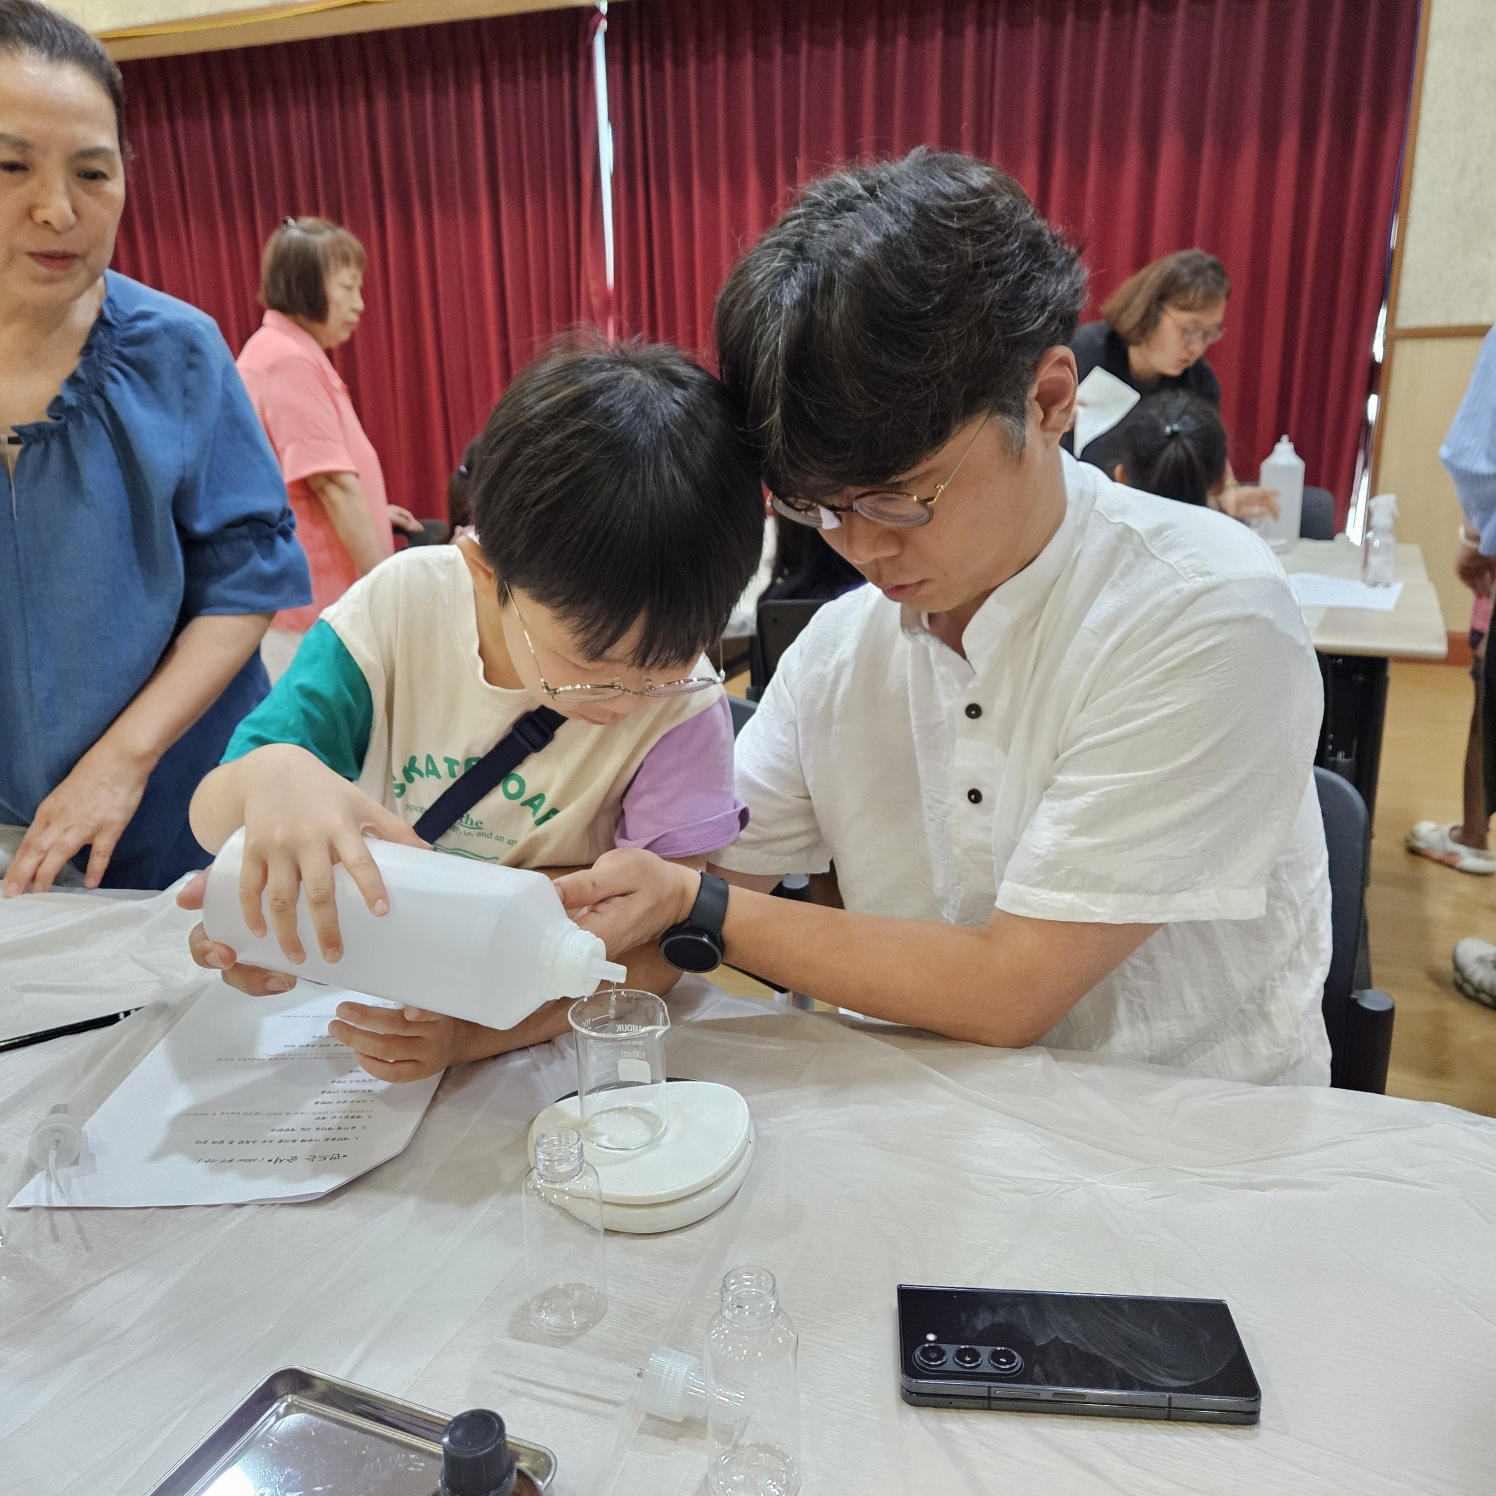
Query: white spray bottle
1379, 548
473, 940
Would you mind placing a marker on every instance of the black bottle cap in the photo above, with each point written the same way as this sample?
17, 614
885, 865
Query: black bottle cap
476, 1460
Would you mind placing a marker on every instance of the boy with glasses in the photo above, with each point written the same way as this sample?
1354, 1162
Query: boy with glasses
619, 516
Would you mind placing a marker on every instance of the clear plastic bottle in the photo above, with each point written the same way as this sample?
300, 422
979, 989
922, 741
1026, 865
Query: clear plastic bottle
1284, 472
563, 1216
753, 1406
472, 940
1379, 547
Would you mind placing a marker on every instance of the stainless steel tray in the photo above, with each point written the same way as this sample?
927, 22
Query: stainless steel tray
300, 1431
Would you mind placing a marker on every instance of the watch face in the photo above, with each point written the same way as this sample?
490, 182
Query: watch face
691, 950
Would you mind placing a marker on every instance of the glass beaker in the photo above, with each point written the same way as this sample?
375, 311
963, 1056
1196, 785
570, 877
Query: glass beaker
621, 1067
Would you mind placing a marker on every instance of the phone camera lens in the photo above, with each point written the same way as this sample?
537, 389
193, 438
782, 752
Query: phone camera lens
1004, 1359
968, 1356
930, 1356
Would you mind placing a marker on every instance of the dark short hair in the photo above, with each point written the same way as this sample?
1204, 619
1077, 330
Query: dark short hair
889, 305
460, 487
1188, 279
1173, 444
299, 256
613, 485
40, 31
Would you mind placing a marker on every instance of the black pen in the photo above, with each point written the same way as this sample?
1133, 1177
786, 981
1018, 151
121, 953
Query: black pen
21, 1041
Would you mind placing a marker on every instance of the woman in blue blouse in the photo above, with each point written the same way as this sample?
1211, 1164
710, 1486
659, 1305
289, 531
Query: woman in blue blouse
145, 538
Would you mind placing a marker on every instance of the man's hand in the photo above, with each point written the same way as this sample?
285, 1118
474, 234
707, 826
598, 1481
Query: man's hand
1250, 504
1477, 572
91, 807
629, 897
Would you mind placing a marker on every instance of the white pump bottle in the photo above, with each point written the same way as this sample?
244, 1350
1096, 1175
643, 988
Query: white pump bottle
473, 940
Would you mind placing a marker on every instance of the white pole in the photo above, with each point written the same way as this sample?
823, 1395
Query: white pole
604, 146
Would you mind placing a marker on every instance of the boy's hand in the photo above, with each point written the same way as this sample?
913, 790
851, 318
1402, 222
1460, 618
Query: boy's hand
410, 1044
403, 1043
299, 819
256, 981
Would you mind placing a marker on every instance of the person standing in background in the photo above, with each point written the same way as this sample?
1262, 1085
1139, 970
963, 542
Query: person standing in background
1155, 329
1469, 456
145, 539
311, 285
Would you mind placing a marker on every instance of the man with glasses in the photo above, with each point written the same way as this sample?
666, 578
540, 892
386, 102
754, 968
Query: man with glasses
1059, 752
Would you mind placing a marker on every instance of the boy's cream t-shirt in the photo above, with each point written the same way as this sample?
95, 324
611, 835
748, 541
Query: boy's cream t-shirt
410, 627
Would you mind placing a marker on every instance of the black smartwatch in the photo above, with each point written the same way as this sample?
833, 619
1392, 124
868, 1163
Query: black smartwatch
695, 944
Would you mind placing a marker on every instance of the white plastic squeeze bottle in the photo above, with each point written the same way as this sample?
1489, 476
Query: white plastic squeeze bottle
1283, 470
1379, 547
473, 940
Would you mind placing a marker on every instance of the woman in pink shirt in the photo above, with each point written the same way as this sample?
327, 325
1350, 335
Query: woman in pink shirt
311, 284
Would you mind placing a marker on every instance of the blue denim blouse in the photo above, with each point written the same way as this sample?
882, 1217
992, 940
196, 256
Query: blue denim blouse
147, 497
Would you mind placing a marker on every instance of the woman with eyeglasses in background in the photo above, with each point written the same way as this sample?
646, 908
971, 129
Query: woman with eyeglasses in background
1154, 333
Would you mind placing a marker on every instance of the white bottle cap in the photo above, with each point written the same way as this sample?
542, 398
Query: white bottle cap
579, 964
56, 1130
674, 1386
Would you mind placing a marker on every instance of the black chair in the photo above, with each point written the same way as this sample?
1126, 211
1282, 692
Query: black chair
741, 712
780, 622
1317, 518
432, 532
1359, 1022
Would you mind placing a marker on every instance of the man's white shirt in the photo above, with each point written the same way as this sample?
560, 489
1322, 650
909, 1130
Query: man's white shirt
1129, 740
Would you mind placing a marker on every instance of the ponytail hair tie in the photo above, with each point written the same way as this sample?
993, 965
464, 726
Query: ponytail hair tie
288, 222
1172, 429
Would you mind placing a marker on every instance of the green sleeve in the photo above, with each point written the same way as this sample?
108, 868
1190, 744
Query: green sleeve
322, 703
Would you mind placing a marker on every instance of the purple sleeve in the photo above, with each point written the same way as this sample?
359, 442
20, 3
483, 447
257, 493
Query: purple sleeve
681, 801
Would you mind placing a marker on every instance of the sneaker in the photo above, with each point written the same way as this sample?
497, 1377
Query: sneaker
1435, 840
1475, 970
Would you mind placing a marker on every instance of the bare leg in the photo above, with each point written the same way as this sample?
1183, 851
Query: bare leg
1474, 832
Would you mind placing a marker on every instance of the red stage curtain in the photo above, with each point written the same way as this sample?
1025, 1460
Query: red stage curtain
1266, 131
459, 154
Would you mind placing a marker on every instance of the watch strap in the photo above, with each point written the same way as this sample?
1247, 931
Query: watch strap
709, 911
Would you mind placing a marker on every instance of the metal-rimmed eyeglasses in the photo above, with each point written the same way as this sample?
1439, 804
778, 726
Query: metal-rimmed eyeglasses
884, 506
1195, 337
613, 689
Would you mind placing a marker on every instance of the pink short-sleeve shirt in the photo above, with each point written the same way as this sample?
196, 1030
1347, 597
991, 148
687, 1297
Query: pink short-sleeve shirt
310, 420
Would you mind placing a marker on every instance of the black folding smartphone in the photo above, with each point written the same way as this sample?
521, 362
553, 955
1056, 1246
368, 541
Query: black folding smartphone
1177, 1359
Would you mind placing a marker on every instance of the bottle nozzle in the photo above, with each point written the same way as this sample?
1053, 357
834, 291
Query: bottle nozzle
611, 971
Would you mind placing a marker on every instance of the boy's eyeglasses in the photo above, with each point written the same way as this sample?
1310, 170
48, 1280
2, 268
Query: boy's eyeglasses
613, 689
884, 506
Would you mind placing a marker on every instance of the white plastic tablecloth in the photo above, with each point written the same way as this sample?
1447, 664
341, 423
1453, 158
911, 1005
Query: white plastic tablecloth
1353, 1236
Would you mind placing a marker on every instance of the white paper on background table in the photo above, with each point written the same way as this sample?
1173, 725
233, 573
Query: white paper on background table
244, 1101
1101, 401
1315, 591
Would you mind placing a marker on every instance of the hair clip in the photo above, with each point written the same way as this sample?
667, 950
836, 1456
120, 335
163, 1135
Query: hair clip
1172, 429
288, 222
